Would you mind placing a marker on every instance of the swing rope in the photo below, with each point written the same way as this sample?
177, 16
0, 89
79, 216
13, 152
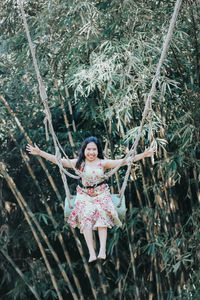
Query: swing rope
147, 113
148, 106
43, 96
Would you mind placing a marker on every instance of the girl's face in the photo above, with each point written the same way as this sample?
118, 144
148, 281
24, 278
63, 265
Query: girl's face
91, 152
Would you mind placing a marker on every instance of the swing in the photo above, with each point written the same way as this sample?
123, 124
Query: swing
120, 207
119, 200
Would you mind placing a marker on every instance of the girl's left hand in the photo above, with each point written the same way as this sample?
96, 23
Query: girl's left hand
150, 151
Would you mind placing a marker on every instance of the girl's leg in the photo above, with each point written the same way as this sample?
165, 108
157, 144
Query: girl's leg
102, 231
87, 232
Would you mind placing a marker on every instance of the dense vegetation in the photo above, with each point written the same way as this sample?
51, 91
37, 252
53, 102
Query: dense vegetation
97, 60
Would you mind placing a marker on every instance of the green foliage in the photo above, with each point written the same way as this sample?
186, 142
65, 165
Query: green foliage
101, 56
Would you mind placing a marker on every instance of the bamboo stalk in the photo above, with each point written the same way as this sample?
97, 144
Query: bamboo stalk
19, 199
11, 112
100, 274
70, 110
171, 203
196, 44
44, 236
144, 184
132, 261
154, 264
49, 212
130, 245
139, 196
197, 189
102, 278
54, 254
108, 130
85, 264
60, 237
17, 269
150, 296
65, 118
157, 275
117, 266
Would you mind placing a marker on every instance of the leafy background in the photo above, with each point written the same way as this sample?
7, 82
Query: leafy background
97, 60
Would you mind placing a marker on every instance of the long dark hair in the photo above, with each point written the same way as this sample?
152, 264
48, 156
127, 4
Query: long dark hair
81, 157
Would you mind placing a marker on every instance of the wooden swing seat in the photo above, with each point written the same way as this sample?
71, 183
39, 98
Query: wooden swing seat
121, 210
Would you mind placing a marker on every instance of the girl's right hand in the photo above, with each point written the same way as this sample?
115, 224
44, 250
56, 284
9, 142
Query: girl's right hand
33, 150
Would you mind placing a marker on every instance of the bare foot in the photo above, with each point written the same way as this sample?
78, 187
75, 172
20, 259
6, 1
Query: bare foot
102, 255
92, 258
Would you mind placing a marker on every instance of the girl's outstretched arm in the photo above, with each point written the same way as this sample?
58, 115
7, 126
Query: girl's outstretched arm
110, 163
35, 150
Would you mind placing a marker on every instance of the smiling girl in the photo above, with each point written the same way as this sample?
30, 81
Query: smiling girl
93, 207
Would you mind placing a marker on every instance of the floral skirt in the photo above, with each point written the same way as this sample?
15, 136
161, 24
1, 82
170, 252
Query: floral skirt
93, 208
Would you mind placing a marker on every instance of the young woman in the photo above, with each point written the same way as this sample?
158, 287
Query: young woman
93, 208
